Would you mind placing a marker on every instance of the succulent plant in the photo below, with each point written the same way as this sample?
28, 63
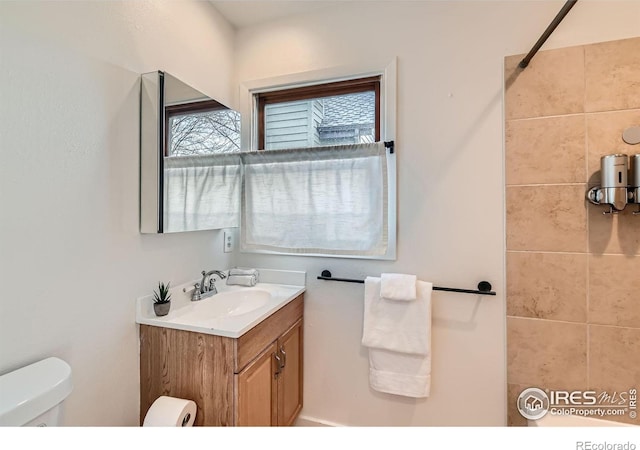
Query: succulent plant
162, 295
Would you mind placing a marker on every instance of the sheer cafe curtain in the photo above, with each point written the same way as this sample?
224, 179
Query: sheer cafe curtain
202, 192
322, 200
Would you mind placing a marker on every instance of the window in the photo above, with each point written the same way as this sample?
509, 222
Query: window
326, 185
344, 112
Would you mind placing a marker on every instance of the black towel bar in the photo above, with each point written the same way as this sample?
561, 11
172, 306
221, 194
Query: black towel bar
484, 287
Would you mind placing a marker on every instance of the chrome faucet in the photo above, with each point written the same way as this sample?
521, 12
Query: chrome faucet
203, 289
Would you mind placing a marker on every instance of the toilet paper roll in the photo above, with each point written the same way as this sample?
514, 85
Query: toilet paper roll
170, 412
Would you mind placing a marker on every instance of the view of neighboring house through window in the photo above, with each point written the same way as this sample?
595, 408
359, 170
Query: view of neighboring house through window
346, 112
202, 128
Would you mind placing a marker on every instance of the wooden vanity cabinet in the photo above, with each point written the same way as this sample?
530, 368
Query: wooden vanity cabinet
270, 387
253, 380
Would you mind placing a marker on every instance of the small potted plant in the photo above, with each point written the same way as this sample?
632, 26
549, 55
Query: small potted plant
162, 299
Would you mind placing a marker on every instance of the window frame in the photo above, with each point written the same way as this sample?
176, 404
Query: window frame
321, 90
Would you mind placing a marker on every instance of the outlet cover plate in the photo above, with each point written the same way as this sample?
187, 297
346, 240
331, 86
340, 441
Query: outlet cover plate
228, 241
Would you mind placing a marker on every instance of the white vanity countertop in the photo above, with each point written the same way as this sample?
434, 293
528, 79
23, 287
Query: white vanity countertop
231, 312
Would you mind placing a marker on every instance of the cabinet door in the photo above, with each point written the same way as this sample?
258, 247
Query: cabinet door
257, 390
290, 378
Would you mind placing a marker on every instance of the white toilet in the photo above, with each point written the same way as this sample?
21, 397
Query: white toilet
33, 395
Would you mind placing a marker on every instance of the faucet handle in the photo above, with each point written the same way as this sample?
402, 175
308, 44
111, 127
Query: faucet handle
195, 296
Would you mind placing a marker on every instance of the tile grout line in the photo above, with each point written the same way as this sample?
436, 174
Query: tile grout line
546, 251
545, 184
572, 253
588, 220
573, 114
574, 323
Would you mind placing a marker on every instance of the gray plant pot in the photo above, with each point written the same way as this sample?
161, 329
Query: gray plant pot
161, 309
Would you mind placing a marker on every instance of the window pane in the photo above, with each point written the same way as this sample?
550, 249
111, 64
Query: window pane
202, 133
336, 120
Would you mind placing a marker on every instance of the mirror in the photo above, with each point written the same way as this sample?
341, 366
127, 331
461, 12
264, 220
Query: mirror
189, 166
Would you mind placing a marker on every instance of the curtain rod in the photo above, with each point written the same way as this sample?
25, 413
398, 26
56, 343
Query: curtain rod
552, 26
484, 287
389, 145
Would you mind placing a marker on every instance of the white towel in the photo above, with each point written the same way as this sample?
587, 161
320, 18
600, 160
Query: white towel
395, 325
398, 335
245, 271
398, 286
400, 373
242, 280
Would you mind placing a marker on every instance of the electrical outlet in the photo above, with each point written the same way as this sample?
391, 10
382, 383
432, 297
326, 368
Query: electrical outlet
228, 241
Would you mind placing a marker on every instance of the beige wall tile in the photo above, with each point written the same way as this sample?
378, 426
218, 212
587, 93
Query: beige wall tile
614, 290
547, 286
546, 218
612, 75
545, 151
614, 233
546, 353
604, 137
614, 361
552, 84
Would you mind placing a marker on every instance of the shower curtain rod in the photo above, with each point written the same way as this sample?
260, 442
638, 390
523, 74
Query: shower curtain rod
552, 26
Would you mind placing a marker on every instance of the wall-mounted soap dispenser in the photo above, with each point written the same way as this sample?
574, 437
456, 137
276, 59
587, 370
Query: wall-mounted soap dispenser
614, 170
634, 181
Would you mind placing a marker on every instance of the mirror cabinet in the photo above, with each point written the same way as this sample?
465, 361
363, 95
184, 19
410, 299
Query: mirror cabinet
189, 162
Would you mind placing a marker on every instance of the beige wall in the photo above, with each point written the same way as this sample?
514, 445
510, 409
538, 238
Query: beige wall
573, 274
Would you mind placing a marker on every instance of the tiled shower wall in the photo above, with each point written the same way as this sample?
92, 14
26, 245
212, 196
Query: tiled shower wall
573, 274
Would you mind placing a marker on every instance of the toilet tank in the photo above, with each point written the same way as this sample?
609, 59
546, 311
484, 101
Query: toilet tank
33, 395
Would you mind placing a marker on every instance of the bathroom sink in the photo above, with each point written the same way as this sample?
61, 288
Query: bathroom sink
231, 312
225, 304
